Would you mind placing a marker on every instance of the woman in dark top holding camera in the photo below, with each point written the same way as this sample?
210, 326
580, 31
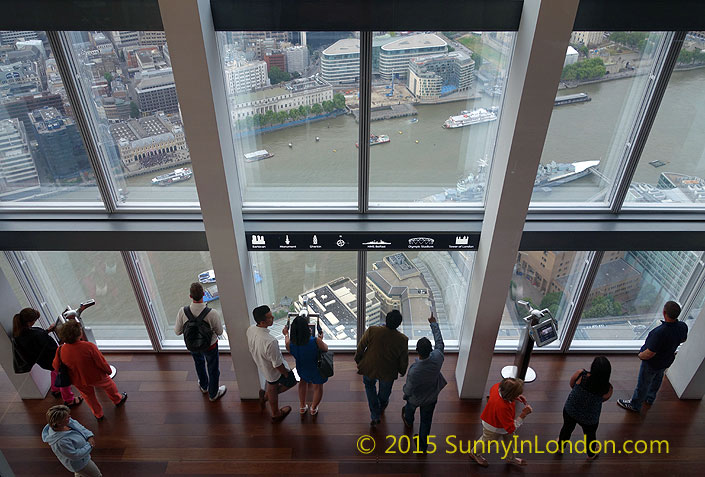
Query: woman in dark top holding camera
36, 347
584, 404
304, 347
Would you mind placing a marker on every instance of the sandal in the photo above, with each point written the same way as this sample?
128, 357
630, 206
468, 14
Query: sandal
76, 401
517, 461
303, 410
284, 412
314, 411
479, 459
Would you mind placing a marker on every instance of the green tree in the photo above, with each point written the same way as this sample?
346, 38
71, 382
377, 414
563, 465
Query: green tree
134, 110
282, 116
307, 110
317, 109
269, 117
108, 77
591, 68
328, 106
276, 75
603, 306
294, 114
339, 101
302, 111
450, 49
250, 121
295, 75
552, 301
477, 59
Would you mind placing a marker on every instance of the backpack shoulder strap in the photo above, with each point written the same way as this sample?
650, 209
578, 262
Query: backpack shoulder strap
187, 312
203, 314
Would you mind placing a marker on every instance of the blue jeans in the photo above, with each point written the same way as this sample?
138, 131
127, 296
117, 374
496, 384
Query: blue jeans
647, 385
377, 400
210, 380
426, 418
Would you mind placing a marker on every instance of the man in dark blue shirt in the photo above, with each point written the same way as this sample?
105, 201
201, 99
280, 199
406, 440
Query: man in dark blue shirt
657, 355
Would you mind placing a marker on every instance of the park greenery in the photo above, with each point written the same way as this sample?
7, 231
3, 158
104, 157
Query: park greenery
603, 306
552, 301
592, 68
271, 117
686, 57
276, 75
636, 40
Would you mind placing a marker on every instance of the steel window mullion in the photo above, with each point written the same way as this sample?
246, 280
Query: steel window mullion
664, 64
143, 299
364, 104
68, 70
29, 286
361, 292
584, 287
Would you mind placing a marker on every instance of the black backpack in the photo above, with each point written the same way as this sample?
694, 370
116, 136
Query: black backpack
197, 331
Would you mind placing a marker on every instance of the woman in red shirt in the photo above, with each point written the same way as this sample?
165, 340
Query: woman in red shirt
87, 368
498, 419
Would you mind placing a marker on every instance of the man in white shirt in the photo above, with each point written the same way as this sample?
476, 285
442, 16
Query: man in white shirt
270, 362
208, 381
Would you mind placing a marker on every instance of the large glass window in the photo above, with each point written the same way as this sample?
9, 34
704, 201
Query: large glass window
327, 281
436, 101
543, 279
671, 169
6, 269
629, 291
602, 89
43, 160
416, 283
127, 79
168, 276
293, 99
69, 278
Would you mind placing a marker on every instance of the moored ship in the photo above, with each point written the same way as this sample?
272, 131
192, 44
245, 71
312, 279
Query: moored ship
178, 175
258, 155
468, 118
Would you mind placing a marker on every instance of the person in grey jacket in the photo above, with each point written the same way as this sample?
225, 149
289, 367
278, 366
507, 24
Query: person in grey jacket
424, 382
71, 442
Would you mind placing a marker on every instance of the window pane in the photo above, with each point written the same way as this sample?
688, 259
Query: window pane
328, 280
9, 273
69, 278
167, 278
672, 165
127, 79
436, 101
629, 292
603, 86
287, 97
545, 279
416, 282
42, 156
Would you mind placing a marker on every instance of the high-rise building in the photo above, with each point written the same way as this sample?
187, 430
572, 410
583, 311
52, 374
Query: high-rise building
18, 173
149, 142
125, 38
587, 38
671, 269
9, 37
433, 76
277, 59
156, 91
61, 154
296, 59
340, 62
394, 56
242, 76
157, 38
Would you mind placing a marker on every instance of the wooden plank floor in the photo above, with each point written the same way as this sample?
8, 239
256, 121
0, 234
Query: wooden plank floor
167, 427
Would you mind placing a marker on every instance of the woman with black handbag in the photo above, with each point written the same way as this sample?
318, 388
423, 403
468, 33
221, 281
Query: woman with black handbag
305, 347
35, 346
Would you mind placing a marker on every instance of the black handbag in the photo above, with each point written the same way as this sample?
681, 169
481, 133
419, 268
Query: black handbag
62, 379
325, 364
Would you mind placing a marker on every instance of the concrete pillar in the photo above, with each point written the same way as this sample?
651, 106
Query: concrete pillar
537, 62
196, 63
687, 373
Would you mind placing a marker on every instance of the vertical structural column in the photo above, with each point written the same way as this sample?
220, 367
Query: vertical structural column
537, 62
687, 373
195, 60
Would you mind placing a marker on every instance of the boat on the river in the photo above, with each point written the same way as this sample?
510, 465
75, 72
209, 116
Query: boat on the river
374, 140
178, 175
468, 118
207, 277
211, 293
258, 155
571, 98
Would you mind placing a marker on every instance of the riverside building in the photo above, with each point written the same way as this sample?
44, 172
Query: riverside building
340, 62
433, 76
394, 57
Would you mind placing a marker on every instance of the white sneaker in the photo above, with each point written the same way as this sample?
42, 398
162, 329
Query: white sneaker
220, 394
204, 391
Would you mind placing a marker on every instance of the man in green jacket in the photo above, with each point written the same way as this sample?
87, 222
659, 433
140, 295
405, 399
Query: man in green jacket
383, 352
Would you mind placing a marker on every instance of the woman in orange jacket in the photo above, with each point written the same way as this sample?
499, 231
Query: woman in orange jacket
87, 366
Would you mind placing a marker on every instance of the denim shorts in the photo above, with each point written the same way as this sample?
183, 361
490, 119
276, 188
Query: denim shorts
289, 380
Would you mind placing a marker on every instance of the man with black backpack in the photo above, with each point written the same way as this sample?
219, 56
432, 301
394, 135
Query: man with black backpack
201, 326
